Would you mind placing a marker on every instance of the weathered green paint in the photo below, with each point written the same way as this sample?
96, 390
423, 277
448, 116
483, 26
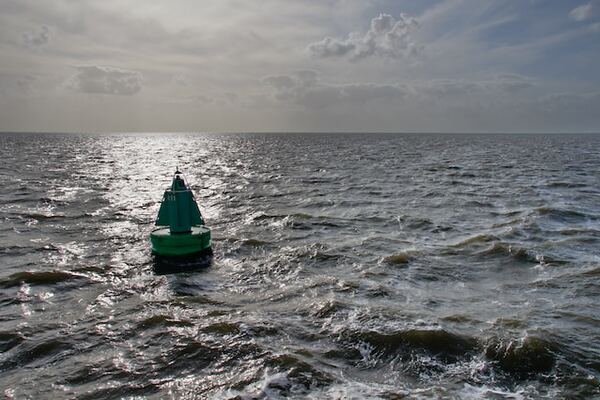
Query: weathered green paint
166, 243
178, 209
181, 226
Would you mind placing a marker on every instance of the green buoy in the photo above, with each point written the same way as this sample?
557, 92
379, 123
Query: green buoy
180, 229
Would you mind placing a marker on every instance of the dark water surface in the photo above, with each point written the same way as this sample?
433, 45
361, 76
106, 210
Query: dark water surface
346, 266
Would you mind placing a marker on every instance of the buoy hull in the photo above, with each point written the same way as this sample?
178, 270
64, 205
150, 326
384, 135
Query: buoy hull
163, 265
165, 243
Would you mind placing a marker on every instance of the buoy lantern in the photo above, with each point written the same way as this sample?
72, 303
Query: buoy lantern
180, 229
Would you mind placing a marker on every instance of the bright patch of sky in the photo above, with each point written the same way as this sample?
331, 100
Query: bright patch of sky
306, 65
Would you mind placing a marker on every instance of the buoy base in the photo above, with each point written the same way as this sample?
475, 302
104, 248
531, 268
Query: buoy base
165, 243
174, 264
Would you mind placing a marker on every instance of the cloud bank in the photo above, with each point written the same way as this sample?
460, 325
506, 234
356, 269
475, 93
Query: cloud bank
304, 88
387, 37
105, 80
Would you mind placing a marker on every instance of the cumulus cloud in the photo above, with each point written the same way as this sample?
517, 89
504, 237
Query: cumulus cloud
37, 38
105, 80
583, 12
387, 37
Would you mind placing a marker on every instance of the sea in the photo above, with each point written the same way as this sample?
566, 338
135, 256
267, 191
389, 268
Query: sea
345, 266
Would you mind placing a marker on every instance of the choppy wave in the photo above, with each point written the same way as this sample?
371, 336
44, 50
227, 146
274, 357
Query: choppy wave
522, 358
400, 258
40, 278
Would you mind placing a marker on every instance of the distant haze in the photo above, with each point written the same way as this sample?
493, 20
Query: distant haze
304, 65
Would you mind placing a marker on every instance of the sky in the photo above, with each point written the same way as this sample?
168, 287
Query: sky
301, 65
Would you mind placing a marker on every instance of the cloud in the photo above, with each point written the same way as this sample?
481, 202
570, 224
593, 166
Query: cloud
583, 12
572, 104
512, 82
204, 98
304, 88
180, 79
105, 80
387, 37
294, 88
231, 97
37, 38
460, 88
25, 83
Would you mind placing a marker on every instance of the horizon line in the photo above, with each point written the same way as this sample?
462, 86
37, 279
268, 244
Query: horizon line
3, 132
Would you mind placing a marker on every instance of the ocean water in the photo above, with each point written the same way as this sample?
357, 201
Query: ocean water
345, 267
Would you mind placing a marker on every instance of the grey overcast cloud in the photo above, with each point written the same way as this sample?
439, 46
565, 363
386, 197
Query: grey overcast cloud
306, 65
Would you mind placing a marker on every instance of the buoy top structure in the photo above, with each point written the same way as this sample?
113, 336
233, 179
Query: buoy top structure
178, 209
180, 229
